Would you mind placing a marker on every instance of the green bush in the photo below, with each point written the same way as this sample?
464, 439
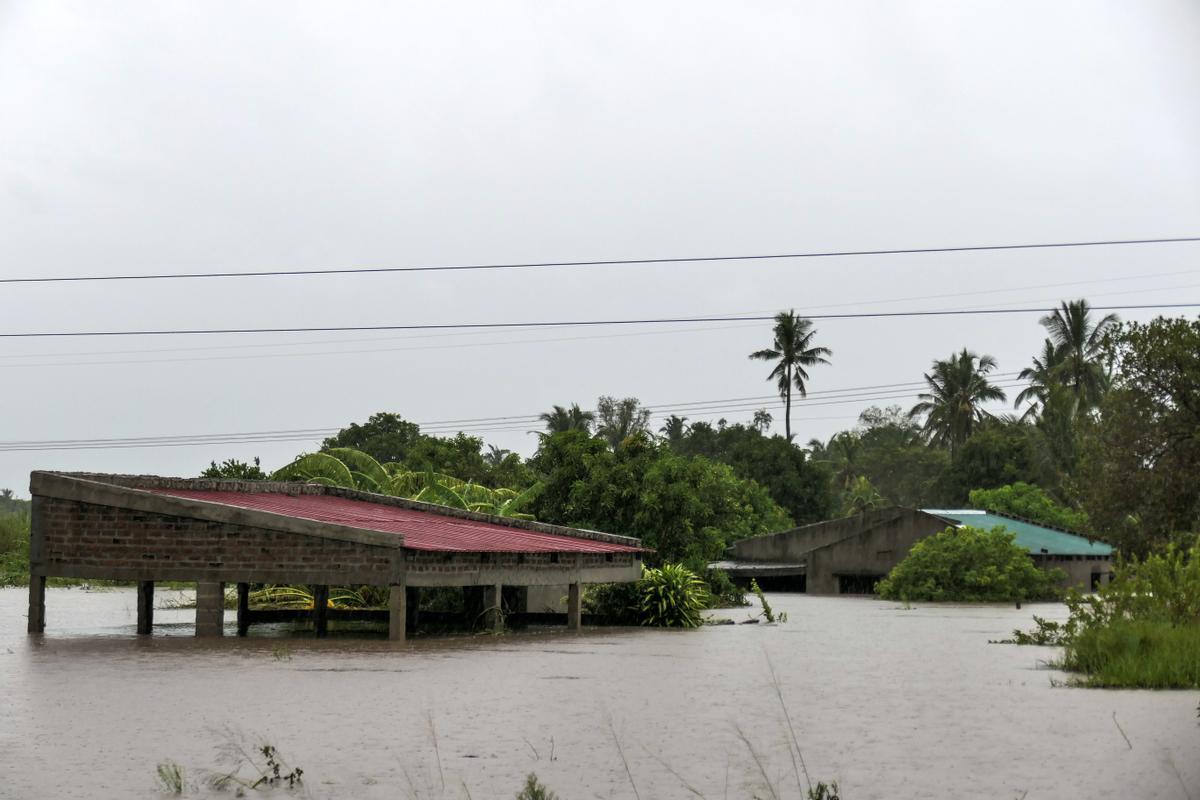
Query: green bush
1143, 628
968, 564
614, 603
672, 596
1030, 502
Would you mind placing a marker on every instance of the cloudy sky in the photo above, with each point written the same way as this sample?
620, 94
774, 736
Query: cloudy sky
183, 137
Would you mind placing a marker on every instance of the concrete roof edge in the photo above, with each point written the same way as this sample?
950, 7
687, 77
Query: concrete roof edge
875, 512
143, 482
85, 488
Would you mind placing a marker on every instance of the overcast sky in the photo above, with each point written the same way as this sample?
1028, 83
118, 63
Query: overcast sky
169, 137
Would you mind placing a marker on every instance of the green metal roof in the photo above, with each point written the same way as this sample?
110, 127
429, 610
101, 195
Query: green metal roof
1035, 538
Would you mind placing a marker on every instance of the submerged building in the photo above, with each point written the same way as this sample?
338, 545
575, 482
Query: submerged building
848, 556
217, 532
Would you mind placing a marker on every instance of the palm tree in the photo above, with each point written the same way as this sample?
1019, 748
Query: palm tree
793, 350
958, 387
674, 429
495, 456
1042, 377
564, 419
1077, 339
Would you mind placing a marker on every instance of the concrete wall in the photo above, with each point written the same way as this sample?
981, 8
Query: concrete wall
873, 552
792, 545
86, 540
1079, 569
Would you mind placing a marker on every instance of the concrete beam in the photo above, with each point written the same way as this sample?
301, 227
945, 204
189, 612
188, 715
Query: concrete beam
210, 609
145, 607
37, 603
397, 612
528, 576
574, 606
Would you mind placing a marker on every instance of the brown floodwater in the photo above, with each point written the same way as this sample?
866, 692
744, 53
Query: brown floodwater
891, 702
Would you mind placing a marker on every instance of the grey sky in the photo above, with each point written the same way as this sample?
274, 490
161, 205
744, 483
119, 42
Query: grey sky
232, 136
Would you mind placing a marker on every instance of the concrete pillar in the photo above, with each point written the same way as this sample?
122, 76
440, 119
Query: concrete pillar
210, 609
397, 612
145, 607
492, 616
574, 606
320, 610
243, 609
37, 603
412, 604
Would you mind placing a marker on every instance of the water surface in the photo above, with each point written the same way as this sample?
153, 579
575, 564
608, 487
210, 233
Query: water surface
891, 702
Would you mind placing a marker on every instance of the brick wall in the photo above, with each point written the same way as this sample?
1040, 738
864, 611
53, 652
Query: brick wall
94, 541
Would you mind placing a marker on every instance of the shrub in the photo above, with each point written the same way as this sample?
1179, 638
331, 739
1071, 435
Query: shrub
968, 564
535, 790
614, 603
672, 596
1143, 628
1031, 502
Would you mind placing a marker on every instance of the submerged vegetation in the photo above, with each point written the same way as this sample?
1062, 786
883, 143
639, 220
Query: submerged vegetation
968, 565
1141, 630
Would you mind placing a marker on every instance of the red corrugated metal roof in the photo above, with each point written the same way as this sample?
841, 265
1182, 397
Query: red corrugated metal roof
422, 530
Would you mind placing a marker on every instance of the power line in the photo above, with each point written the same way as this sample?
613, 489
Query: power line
427, 336
596, 263
829, 397
569, 323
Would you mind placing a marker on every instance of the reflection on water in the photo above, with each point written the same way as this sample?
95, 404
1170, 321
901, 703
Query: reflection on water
893, 703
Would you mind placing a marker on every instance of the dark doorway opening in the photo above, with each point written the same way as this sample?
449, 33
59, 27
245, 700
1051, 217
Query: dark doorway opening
783, 583
858, 584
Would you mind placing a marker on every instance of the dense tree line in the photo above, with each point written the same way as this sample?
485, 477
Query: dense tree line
1104, 438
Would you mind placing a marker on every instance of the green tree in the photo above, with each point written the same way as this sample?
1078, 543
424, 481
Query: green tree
968, 565
1043, 376
861, 497
495, 456
1031, 502
385, 437
1078, 339
1140, 458
232, 469
792, 351
953, 404
687, 509
567, 419
998, 453
617, 420
674, 429
796, 483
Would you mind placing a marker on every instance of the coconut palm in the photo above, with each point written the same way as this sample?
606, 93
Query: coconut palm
495, 456
568, 419
953, 405
1042, 377
674, 429
1077, 339
793, 350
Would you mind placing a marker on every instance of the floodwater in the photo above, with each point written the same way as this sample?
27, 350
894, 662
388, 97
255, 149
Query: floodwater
891, 702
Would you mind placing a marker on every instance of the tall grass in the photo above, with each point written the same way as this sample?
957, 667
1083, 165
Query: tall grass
1145, 653
14, 549
1142, 630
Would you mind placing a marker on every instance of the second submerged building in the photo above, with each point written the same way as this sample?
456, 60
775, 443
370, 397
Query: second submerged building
848, 556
